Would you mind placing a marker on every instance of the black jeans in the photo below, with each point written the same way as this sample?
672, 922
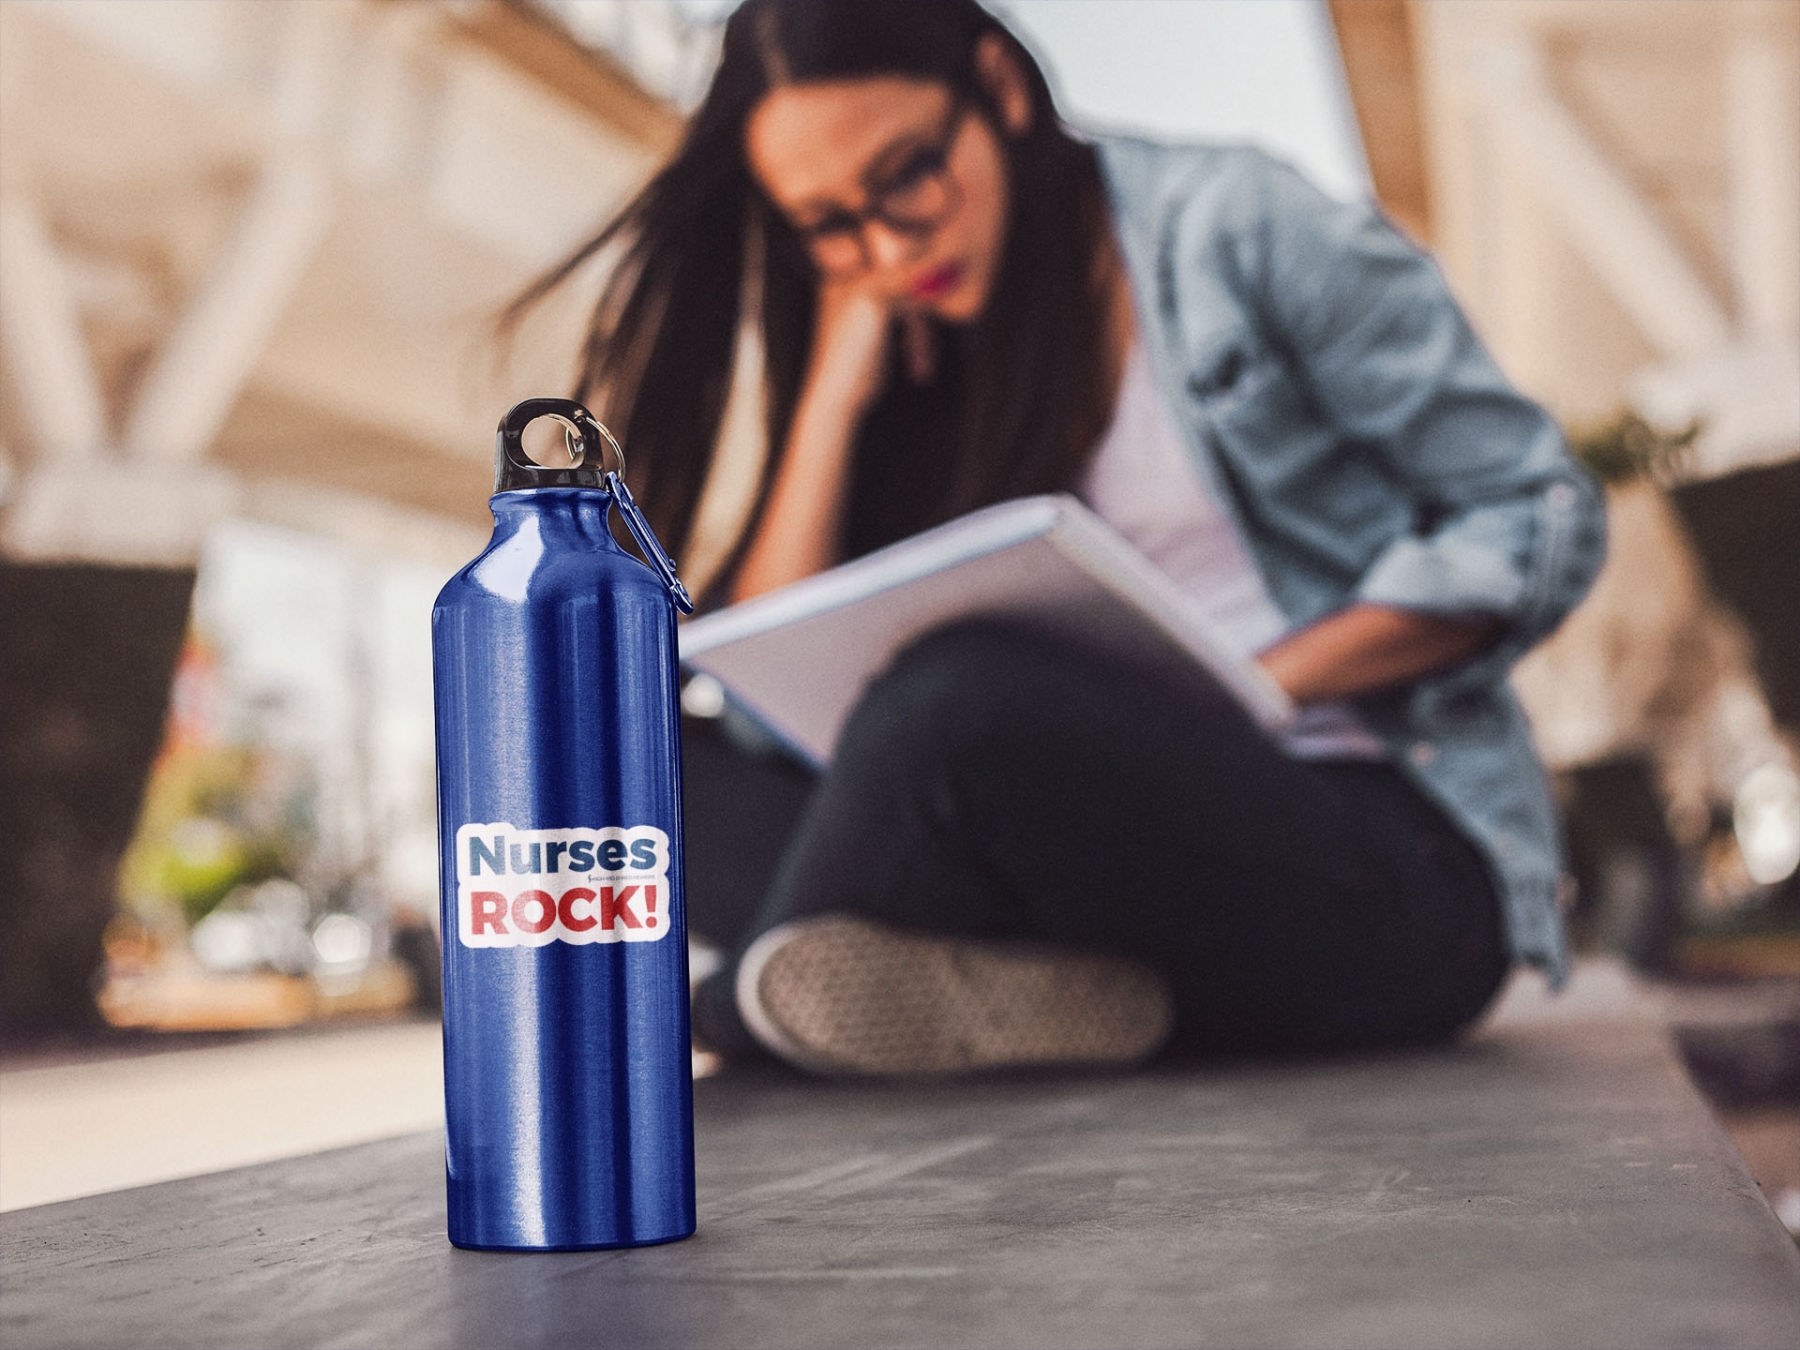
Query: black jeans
997, 783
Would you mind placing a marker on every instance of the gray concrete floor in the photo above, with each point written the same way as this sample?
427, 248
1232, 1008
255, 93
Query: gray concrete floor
96, 1115
1554, 1183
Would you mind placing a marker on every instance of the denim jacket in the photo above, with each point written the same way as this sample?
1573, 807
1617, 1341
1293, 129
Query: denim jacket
1340, 407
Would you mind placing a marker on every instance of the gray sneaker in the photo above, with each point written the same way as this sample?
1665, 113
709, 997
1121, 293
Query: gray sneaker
839, 995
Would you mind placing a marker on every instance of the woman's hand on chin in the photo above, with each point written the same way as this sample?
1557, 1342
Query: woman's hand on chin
803, 518
850, 353
850, 348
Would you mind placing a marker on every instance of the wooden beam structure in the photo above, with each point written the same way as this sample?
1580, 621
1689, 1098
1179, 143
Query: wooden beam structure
1376, 40
330, 200
587, 77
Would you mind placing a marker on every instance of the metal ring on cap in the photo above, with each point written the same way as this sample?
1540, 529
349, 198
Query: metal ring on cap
573, 440
613, 441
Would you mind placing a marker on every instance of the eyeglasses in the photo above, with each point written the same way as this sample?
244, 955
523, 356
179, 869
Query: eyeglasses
911, 199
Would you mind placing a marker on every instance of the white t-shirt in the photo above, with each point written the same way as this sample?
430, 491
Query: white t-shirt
1143, 483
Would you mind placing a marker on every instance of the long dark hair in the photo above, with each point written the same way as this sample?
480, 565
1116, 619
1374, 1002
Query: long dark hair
1019, 398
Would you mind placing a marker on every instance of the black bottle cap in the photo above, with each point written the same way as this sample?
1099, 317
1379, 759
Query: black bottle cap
588, 442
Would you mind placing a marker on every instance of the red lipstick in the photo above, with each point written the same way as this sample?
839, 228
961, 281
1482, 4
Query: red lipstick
938, 282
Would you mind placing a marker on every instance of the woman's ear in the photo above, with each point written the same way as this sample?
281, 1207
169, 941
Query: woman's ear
1000, 75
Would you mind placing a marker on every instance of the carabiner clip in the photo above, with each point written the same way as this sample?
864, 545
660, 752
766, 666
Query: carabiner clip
646, 538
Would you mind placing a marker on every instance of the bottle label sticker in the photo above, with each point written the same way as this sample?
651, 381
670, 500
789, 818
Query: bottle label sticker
527, 888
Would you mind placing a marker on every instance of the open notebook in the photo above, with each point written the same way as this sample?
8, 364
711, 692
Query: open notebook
797, 659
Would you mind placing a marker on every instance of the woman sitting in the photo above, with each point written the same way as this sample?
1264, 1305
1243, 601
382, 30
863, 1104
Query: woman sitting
1027, 851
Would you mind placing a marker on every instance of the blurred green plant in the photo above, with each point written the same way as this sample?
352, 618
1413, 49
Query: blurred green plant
1626, 447
205, 830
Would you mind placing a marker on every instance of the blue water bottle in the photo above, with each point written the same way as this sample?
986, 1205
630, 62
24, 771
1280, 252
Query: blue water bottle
568, 1087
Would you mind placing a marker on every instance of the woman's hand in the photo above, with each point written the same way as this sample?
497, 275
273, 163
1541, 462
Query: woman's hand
1365, 647
850, 350
801, 525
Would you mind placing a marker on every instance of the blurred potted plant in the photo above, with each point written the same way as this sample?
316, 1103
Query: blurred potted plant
1681, 801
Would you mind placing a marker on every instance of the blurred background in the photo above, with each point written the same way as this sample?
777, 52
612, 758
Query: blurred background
251, 253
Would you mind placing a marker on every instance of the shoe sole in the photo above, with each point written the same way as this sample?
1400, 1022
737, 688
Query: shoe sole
840, 995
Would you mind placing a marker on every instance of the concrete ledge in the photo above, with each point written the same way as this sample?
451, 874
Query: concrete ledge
1549, 1184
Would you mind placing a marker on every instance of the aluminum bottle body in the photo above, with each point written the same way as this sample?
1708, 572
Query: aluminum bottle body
567, 1065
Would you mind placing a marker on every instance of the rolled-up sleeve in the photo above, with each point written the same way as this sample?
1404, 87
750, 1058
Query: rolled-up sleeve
1505, 522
